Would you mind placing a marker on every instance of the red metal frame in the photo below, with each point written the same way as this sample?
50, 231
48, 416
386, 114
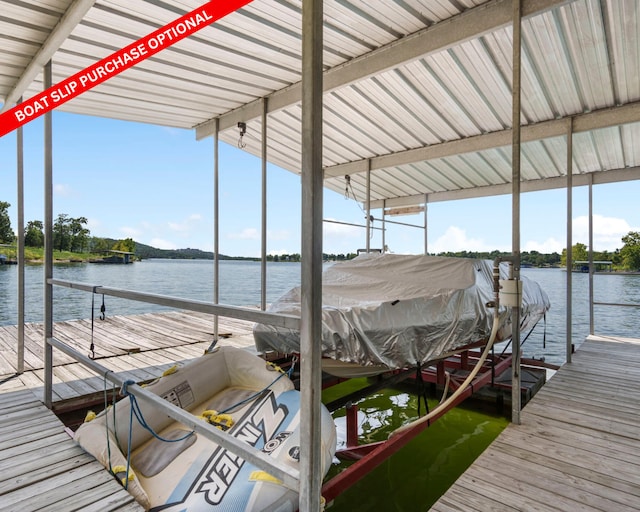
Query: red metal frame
373, 454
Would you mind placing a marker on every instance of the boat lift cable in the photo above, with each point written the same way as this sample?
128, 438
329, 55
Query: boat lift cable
523, 341
422, 390
474, 372
92, 353
463, 386
348, 193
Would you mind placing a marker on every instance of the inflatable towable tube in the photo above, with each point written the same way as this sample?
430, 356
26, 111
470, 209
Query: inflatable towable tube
239, 392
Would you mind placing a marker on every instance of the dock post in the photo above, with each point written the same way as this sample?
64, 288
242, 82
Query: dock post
20, 250
515, 214
311, 272
48, 247
569, 264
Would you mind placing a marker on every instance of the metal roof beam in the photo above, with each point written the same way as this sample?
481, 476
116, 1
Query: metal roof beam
595, 120
68, 21
468, 25
599, 177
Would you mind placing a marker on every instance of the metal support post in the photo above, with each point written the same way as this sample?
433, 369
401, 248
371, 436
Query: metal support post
20, 254
311, 278
515, 311
368, 206
216, 227
263, 247
591, 268
384, 226
569, 263
48, 246
426, 241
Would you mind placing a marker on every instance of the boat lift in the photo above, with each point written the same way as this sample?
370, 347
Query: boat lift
310, 324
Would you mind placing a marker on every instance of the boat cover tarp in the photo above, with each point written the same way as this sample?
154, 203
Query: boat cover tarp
399, 310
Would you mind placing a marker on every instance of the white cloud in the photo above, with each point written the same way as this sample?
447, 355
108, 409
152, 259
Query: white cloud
159, 243
186, 226
245, 234
455, 239
282, 234
62, 190
607, 232
93, 224
549, 246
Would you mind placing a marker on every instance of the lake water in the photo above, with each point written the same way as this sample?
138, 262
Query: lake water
412, 479
240, 286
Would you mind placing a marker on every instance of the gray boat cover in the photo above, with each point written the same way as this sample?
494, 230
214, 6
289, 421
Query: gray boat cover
399, 310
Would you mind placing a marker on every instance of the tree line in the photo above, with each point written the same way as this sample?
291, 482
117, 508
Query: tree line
71, 234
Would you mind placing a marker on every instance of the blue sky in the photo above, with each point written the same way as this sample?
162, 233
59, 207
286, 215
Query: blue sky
155, 185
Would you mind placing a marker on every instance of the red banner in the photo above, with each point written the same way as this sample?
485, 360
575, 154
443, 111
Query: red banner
117, 62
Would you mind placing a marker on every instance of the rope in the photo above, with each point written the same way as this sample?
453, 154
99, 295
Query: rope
257, 394
458, 392
137, 412
92, 353
102, 309
446, 387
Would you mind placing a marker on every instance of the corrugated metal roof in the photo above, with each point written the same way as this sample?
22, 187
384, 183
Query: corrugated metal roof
419, 90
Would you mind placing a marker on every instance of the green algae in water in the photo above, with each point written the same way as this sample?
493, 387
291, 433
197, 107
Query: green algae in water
416, 476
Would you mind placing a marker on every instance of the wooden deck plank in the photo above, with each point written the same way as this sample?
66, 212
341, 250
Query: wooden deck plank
40, 465
37, 457
577, 447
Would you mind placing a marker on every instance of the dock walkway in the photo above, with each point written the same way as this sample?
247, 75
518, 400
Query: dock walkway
137, 347
41, 467
578, 445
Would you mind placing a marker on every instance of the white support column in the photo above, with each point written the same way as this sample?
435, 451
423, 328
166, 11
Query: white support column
591, 267
20, 254
569, 305
384, 227
216, 226
515, 311
368, 207
48, 246
426, 231
311, 278
263, 246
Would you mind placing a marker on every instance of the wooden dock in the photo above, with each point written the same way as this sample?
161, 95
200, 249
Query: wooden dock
41, 467
578, 445
137, 347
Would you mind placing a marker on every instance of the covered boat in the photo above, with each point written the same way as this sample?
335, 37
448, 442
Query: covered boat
389, 311
174, 469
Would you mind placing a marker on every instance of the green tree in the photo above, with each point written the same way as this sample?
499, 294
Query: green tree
99, 244
33, 234
127, 245
630, 252
69, 234
79, 234
62, 233
7, 235
578, 253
